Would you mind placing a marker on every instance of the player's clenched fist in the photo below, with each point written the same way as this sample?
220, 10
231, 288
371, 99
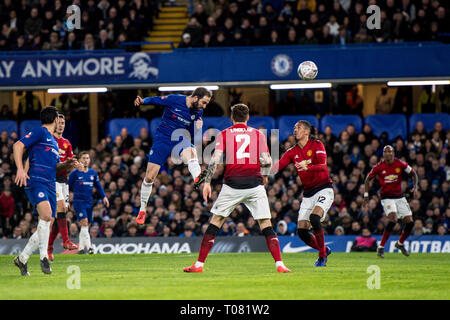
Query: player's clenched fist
138, 101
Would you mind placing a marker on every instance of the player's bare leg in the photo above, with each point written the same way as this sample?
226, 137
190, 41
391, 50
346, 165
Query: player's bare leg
392, 216
85, 239
146, 189
189, 156
273, 244
207, 243
409, 224
39, 239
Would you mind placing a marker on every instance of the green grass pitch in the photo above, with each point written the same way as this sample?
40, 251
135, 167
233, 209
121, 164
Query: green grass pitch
234, 276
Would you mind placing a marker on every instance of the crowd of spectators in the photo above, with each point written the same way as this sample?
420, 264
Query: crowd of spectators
175, 209
222, 23
43, 25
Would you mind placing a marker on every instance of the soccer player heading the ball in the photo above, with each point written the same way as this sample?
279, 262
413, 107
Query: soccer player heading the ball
389, 172
248, 164
310, 159
181, 112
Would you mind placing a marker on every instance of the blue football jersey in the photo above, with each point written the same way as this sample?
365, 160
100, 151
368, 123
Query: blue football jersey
83, 183
43, 155
176, 114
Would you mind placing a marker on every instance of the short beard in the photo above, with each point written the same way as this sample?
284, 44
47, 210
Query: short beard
195, 106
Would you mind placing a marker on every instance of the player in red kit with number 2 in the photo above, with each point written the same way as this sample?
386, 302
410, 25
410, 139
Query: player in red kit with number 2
62, 192
389, 172
310, 159
248, 164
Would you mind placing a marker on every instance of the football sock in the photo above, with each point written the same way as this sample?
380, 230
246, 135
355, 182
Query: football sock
53, 234
84, 234
319, 234
81, 244
194, 167
32, 245
308, 238
146, 190
406, 231
272, 243
43, 231
387, 233
207, 242
62, 225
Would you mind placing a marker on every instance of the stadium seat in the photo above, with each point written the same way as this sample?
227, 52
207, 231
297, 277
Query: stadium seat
339, 123
133, 125
257, 121
393, 124
219, 123
27, 125
8, 125
429, 120
154, 124
286, 124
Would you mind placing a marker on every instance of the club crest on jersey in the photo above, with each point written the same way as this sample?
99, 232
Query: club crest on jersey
65, 145
92, 177
40, 194
192, 117
309, 153
397, 170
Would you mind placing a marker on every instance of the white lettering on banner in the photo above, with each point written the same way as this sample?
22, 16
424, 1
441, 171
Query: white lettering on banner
446, 248
132, 248
47, 68
7, 65
63, 67
416, 246
435, 247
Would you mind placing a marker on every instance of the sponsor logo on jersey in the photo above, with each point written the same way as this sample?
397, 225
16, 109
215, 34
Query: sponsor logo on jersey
391, 178
309, 153
305, 162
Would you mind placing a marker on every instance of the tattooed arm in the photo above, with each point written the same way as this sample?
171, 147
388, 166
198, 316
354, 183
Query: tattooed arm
215, 160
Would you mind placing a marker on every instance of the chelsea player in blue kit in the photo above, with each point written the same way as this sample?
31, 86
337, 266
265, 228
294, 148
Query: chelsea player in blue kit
40, 183
82, 182
181, 112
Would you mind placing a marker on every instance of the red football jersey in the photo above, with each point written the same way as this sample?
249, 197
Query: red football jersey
390, 177
65, 152
242, 147
313, 154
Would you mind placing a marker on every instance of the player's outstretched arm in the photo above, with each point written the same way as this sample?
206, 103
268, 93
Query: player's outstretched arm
21, 175
415, 179
367, 188
215, 160
71, 162
138, 101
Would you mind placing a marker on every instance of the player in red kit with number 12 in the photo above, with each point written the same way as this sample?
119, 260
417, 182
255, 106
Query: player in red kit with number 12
310, 159
389, 172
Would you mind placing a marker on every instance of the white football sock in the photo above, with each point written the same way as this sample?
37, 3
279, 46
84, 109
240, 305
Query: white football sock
279, 263
199, 264
146, 190
86, 237
81, 243
32, 245
194, 167
43, 231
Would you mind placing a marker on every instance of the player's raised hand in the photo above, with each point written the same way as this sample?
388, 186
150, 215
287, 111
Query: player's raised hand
199, 124
206, 191
138, 101
106, 202
21, 178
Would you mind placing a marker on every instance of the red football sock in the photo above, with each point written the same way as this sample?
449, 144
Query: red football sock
385, 237
274, 247
207, 244
313, 242
403, 236
53, 235
62, 224
320, 239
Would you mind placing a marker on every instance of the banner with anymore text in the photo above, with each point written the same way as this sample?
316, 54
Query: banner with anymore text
288, 244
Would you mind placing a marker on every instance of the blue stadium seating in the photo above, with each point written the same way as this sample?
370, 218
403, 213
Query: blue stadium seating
154, 124
429, 120
219, 123
286, 124
393, 124
27, 125
133, 125
257, 121
8, 125
339, 123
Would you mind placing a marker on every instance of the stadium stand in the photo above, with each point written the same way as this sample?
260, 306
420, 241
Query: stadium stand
133, 126
338, 123
27, 125
393, 124
286, 124
8, 125
429, 120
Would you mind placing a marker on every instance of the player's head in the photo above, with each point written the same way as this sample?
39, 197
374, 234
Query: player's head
200, 98
61, 124
304, 129
239, 113
388, 153
49, 115
84, 158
